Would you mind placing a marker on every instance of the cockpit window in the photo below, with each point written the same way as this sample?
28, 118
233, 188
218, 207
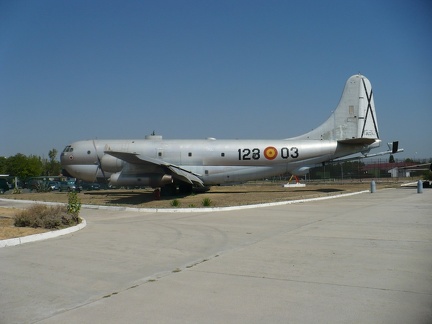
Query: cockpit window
68, 149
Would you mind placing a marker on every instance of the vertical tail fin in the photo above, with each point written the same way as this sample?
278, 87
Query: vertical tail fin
354, 119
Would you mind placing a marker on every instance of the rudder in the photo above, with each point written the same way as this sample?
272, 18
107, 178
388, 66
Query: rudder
354, 118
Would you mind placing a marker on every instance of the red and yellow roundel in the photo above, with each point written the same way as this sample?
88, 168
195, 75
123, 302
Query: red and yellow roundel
270, 153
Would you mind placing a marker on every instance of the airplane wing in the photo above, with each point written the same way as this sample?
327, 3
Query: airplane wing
185, 175
176, 171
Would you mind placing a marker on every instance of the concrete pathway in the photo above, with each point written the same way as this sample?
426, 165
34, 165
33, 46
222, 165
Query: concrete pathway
359, 259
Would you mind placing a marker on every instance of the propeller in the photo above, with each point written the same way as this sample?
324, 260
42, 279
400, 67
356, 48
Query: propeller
99, 162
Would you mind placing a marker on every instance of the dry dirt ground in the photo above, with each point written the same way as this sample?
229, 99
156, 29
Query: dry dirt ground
7, 228
251, 193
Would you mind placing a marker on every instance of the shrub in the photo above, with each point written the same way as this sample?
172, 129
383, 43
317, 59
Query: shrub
16, 191
23, 219
49, 217
175, 203
52, 220
206, 202
42, 186
74, 203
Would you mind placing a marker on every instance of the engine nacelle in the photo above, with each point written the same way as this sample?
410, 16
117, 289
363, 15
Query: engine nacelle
153, 180
112, 164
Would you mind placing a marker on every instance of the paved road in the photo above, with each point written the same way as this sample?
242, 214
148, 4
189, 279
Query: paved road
358, 259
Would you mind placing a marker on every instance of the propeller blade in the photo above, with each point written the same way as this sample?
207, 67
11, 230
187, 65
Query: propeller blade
98, 161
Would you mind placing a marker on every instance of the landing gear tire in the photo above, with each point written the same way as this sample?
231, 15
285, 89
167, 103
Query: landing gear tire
185, 188
168, 190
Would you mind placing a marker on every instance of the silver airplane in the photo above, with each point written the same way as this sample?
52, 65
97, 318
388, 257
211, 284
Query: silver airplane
187, 164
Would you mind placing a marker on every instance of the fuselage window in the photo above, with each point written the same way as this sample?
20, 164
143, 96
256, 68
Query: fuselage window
222, 154
189, 154
88, 152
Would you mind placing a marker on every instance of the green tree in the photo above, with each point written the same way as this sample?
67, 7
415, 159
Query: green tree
24, 167
3, 165
427, 175
52, 167
52, 154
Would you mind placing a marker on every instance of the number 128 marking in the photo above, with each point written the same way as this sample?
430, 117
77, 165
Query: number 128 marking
248, 154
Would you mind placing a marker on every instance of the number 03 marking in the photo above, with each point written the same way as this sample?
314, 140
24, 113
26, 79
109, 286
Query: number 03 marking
285, 152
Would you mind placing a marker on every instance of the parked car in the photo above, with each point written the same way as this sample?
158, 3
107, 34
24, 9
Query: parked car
54, 185
69, 186
91, 186
4, 186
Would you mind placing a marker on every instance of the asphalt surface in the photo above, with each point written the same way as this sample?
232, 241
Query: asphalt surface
358, 259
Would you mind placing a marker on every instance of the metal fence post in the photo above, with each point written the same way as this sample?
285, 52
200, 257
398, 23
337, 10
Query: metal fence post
419, 186
372, 186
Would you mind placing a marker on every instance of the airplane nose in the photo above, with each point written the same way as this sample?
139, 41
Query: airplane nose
77, 162
82, 171
80, 160
67, 156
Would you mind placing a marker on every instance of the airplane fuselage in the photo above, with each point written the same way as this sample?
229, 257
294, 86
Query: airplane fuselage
216, 161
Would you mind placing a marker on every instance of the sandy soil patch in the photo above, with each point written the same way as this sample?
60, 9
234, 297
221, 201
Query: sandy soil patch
7, 228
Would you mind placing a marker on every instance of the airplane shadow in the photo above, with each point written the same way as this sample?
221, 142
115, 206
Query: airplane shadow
138, 198
323, 190
131, 198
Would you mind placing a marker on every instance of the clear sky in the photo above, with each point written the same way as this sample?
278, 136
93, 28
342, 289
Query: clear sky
73, 70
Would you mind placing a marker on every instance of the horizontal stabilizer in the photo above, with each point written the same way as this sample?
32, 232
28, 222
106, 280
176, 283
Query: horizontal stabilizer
357, 141
365, 156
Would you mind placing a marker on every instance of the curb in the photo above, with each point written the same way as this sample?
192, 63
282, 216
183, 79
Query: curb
42, 236
192, 210
215, 209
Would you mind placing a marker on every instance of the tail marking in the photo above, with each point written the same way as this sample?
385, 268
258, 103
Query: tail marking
369, 108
